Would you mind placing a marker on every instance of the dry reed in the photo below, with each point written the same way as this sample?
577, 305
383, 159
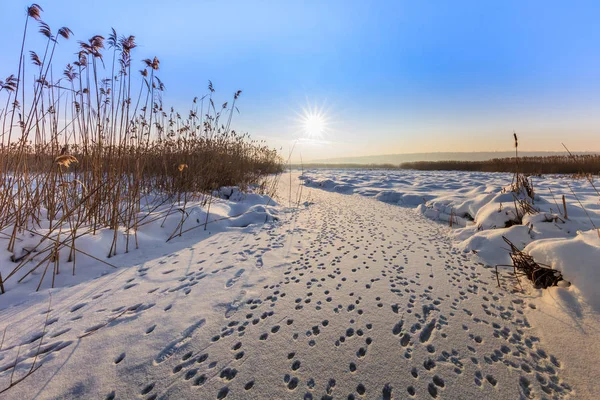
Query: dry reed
81, 153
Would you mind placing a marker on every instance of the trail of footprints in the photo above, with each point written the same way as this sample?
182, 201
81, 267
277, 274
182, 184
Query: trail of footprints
356, 286
347, 295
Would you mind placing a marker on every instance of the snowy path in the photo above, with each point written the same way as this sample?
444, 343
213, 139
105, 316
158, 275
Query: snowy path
347, 297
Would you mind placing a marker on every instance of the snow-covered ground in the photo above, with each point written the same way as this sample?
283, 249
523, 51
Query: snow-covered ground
338, 297
482, 210
228, 208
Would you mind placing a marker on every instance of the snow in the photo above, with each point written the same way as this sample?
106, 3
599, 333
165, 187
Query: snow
341, 295
482, 208
229, 209
578, 258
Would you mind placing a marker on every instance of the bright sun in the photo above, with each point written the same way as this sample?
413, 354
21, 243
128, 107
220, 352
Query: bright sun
313, 123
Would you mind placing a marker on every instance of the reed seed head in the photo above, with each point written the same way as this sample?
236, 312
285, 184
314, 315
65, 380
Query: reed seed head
34, 11
45, 29
65, 160
65, 32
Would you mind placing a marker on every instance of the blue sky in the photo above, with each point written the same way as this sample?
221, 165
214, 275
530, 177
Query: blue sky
391, 76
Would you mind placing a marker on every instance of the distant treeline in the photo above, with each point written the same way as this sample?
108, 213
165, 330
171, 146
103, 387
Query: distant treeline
345, 166
589, 164
556, 164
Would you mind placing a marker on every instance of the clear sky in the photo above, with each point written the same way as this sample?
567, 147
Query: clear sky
388, 76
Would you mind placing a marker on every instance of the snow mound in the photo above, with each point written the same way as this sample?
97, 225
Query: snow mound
577, 258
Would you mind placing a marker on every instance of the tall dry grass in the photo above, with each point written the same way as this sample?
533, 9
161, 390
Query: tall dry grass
80, 152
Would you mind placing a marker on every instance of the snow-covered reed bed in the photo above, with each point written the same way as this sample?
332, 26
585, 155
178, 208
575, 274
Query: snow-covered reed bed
49, 256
